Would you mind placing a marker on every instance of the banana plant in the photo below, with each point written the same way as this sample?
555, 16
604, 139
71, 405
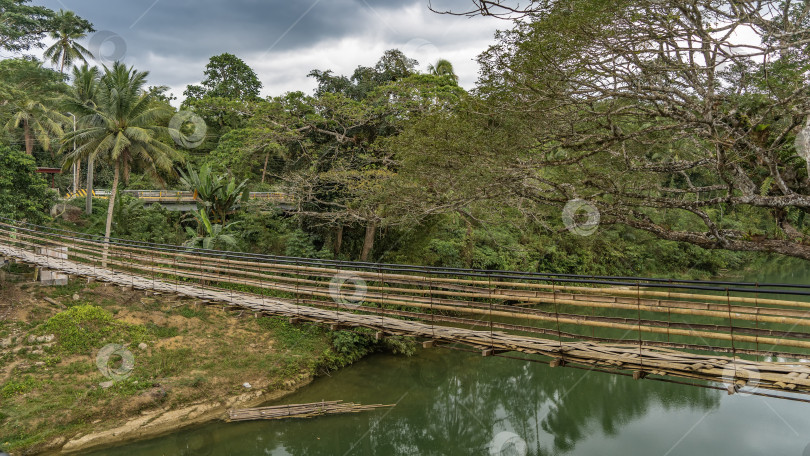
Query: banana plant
211, 235
217, 195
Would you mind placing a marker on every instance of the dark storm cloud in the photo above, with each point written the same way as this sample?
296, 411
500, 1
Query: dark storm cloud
200, 28
174, 38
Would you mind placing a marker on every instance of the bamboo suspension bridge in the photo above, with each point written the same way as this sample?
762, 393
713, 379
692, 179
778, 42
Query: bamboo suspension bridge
747, 337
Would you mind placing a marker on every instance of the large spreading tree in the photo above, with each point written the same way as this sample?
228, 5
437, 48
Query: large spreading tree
677, 117
345, 165
227, 76
22, 26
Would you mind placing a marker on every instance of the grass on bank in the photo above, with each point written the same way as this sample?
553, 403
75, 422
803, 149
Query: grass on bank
183, 353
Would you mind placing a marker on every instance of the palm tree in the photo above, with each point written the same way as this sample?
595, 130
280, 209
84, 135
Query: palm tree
443, 67
68, 28
121, 128
84, 91
39, 122
85, 85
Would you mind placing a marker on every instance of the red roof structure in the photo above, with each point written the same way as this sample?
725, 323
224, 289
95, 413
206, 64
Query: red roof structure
52, 172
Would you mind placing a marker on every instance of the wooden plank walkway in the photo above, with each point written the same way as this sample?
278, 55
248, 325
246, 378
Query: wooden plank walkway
642, 361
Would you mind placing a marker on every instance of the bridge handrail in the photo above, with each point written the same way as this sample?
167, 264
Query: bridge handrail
648, 282
404, 311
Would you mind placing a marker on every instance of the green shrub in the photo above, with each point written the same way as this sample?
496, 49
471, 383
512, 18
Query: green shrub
17, 386
85, 327
24, 194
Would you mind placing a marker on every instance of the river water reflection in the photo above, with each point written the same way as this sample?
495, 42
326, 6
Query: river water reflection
457, 403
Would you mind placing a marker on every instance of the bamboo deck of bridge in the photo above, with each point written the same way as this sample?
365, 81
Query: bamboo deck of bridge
495, 315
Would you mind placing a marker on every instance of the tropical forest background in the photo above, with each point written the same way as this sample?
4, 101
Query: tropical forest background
695, 165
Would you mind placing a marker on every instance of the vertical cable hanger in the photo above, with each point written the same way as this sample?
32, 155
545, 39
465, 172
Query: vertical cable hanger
176, 274
432, 312
202, 281
669, 316
638, 311
296, 278
228, 270
756, 313
152, 261
557, 317
261, 282
382, 296
341, 281
731, 334
489, 286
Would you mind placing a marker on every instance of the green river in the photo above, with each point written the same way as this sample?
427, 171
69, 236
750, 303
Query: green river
452, 402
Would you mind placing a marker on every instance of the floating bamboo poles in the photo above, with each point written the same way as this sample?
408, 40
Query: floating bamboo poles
311, 410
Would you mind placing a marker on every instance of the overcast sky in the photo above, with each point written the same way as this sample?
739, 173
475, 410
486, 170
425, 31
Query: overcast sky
281, 40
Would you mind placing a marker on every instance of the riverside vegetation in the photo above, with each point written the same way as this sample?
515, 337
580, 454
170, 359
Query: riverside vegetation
51, 389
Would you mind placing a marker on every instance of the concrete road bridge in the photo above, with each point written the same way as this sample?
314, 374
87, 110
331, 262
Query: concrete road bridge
181, 200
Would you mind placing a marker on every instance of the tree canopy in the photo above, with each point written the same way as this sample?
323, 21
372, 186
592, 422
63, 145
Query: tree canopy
24, 194
22, 26
656, 112
227, 76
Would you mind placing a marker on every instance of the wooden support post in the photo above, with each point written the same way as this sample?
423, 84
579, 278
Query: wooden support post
557, 362
488, 352
639, 374
429, 344
334, 326
294, 320
379, 335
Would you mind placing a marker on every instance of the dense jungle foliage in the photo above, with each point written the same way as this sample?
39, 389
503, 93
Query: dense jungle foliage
393, 164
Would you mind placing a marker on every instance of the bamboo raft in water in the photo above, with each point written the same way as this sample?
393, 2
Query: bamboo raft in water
310, 410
